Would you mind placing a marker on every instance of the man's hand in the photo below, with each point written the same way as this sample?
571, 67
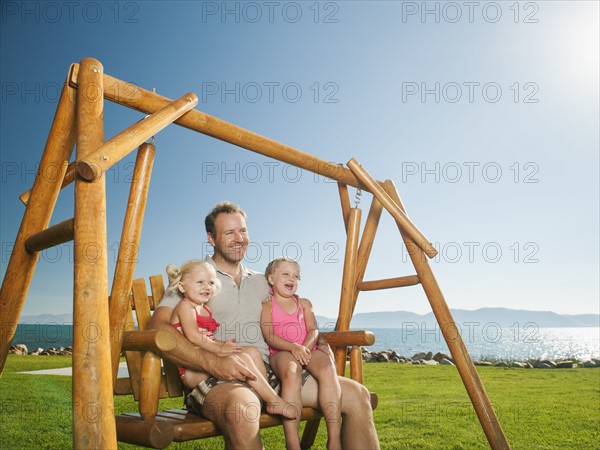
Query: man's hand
231, 368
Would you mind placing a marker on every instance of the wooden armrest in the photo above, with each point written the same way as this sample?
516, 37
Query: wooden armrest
153, 340
349, 338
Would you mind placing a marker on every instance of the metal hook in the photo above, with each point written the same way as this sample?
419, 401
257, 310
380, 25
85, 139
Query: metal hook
357, 197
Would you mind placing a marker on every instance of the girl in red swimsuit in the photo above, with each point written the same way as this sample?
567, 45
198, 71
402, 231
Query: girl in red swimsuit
196, 282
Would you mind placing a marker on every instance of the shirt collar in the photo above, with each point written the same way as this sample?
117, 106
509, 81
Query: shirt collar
245, 271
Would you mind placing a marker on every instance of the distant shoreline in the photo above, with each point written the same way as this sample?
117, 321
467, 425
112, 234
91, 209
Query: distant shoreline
502, 317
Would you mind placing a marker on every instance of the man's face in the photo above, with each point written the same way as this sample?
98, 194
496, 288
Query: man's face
231, 237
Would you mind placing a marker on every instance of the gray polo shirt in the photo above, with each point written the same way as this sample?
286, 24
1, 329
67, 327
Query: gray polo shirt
237, 308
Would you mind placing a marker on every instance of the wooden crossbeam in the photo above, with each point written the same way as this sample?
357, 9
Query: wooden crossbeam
119, 146
388, 283
52, 236
148, 102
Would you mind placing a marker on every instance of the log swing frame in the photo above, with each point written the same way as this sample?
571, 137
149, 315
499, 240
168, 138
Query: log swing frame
79, 120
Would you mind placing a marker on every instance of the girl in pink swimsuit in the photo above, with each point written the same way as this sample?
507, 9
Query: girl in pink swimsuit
196, 282
289, 327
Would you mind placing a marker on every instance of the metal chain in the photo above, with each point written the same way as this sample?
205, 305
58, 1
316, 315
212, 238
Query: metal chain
357, 197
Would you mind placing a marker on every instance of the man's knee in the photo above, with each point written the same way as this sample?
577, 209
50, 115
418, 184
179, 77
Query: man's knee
233, 407
354, 395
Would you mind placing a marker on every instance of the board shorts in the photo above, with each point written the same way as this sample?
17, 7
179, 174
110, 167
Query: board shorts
194, 398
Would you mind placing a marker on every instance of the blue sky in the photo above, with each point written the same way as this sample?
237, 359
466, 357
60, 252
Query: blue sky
484, 115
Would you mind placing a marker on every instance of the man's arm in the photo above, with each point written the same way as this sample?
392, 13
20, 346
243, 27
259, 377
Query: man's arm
187, 355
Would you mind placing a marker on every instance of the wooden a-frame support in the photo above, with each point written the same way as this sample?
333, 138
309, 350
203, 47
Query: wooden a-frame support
99, 327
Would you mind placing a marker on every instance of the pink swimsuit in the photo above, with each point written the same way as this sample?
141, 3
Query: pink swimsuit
291, 327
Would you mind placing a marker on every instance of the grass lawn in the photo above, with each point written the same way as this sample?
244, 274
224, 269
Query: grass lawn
420, 407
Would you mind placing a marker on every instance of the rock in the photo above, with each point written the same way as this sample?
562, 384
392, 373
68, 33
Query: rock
429, 362
20, 349
519, 365
439, 356
501, 364
587, 364
482, 363
544, 364
428, 356
565, 365
382, 357
445, 362
394, 354
420, 355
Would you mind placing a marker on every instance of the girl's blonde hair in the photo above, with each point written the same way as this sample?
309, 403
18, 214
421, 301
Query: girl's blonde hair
176, 274
272, 266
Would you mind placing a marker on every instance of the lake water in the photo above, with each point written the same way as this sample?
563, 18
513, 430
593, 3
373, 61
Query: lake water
489, 342
509, 344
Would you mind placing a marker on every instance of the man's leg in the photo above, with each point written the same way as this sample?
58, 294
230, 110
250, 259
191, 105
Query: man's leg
358, 428
235, 409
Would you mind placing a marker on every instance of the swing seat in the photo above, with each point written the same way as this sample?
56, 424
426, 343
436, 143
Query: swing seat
151, 378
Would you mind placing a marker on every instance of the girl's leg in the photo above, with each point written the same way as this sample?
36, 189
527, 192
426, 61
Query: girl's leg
322, 368
257, 358
289, 372
274, 403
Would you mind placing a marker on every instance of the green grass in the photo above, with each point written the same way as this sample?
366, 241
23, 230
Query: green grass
420, 407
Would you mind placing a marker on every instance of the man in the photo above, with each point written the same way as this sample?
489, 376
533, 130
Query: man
232, 406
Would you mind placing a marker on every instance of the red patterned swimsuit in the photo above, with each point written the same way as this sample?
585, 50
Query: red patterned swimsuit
207, 325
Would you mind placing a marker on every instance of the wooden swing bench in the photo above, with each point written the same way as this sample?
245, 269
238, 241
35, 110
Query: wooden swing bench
151, 379
79, 122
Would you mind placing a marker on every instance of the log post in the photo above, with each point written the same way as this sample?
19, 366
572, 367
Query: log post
366, 245
356, 364
36, 218
348, 285
128, 250
93, 411
345, 202
466, 368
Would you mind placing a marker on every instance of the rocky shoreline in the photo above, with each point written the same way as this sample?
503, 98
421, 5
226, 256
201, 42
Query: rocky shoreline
21, 349
389, 356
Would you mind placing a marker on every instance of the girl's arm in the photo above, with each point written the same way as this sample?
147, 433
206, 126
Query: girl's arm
310, 320
187, 318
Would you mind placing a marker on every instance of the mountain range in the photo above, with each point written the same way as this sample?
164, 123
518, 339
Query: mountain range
504, 317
